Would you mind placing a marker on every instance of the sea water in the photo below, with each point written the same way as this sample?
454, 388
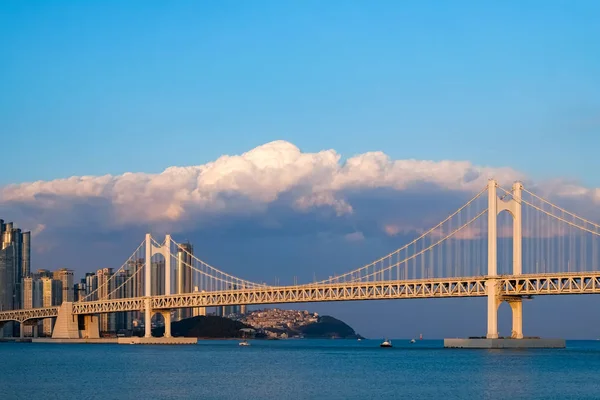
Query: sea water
297, 369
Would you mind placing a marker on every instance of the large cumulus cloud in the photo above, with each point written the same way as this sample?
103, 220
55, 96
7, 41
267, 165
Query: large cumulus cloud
249, 183
252, 182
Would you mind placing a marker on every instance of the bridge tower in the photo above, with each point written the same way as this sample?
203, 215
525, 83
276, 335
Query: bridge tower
495, 206
165, 250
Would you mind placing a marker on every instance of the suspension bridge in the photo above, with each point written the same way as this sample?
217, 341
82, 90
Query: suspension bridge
503, 244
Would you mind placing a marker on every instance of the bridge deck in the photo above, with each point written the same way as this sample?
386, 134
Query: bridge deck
508, 285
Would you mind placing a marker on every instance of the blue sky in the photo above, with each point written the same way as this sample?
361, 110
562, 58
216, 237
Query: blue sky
109, 87
97, 88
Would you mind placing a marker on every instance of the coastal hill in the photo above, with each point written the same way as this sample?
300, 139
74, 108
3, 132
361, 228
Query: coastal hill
218, 327
328, 327
205, 327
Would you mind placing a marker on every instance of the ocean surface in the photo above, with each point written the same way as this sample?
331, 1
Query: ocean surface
297, 369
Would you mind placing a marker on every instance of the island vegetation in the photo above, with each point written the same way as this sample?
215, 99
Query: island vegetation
214, 327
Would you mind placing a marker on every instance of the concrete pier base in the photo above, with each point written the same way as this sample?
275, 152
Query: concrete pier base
75, 341
505, 343
67, 324
157, 340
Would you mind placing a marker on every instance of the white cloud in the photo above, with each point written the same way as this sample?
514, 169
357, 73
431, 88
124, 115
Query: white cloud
248, 184
355, 237
391, 229
38, 229
323, 199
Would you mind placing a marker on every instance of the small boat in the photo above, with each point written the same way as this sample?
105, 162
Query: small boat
244, 343
413, 341
359, 339
386, 343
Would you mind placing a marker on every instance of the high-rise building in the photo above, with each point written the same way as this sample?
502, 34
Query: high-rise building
44, 273
28, 293
105, 289
135, 286
158, 277
51, 296
14, 266
79, 290
32, 297
26, 254
183, 276
91, 286
123, 320
135, 268
66, 277
33, 292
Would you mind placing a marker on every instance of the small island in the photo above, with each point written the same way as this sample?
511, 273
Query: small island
262, 324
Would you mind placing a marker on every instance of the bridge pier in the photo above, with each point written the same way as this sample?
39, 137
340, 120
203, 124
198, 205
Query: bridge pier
23, 328
92, 327
167, 317
148, 317
35, 330
493, 304
516, 305
67, 324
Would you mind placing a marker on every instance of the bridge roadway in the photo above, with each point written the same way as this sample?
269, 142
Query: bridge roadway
508, 285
